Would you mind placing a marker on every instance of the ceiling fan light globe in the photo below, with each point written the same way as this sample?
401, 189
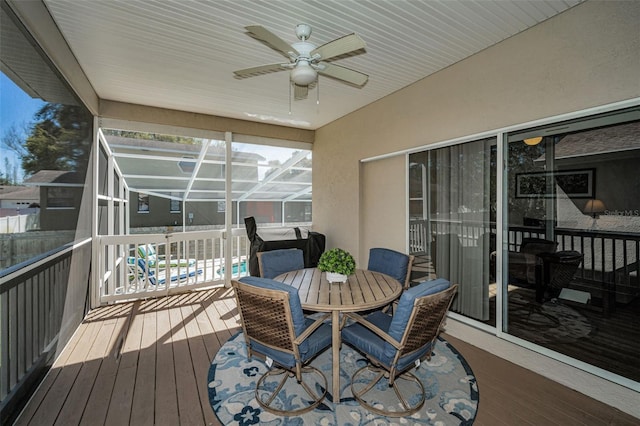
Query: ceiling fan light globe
303, 75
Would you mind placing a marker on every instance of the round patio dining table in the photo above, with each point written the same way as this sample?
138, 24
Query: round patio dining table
362, 291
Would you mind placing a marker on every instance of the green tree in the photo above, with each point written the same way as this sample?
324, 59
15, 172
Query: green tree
5, 178
60, 139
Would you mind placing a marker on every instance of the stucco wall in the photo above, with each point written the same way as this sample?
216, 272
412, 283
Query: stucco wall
378, 230
588, 56
585, 57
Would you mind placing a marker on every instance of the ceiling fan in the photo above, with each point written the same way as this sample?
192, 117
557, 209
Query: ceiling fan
306, 60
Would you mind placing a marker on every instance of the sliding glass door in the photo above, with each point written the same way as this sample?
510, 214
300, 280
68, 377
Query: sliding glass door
569, 236
573, 215
452, 224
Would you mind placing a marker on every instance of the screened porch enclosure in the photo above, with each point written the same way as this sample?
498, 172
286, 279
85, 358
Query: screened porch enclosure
189, 178
171, 207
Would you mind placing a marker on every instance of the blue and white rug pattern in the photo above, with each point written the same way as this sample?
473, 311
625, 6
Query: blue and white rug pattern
451, 390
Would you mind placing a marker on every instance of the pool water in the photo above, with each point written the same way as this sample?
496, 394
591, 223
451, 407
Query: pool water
234, 269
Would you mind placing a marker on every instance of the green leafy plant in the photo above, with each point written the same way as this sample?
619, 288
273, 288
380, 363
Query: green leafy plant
337, 260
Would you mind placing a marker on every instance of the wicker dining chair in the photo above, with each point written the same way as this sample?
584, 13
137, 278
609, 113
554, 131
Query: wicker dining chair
393, 344
275, 327
558, 271
275, 262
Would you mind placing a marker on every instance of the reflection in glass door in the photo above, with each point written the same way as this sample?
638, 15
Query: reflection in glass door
573, 214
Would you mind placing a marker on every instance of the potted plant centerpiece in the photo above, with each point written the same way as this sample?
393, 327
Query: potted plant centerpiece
338, 265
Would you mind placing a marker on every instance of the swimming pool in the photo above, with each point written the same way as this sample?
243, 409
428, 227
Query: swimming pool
234, 270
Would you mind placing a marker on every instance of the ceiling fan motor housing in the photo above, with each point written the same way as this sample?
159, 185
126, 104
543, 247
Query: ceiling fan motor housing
303, 74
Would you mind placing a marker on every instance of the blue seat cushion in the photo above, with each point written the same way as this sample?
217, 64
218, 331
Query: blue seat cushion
316, 342
299, 324
390, 262
276, 262
370, 343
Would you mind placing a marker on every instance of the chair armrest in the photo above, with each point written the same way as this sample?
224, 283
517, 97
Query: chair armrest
306, 333
377, 330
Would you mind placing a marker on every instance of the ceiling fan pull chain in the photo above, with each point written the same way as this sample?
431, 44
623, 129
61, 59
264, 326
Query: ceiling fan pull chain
290, 95
318, 92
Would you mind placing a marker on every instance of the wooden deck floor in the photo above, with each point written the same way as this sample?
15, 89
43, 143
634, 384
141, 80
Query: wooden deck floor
146, 362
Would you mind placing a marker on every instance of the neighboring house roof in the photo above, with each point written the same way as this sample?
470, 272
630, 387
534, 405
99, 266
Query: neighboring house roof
55, 178
19, 193
618, 138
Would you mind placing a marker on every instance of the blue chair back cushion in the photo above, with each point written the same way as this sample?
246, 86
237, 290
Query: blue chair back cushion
318, 340
367, 341
276, 262
390, 262
405, 306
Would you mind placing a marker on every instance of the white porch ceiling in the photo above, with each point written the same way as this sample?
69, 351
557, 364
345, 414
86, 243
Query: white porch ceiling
182, 54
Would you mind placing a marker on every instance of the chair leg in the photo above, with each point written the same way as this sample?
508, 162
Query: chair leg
407, 410
266, 402
310, 391
412, 378
275, 372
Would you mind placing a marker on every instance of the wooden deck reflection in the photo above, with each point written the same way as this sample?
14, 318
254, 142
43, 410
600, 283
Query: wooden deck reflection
146, 362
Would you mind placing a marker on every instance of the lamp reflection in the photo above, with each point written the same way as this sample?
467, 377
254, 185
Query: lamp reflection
594, 207
533, 141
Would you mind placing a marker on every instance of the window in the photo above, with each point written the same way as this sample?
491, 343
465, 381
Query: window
174, 203
60, 197
45, 146
143, 203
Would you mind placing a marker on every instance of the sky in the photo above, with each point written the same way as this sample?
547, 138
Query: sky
16, 108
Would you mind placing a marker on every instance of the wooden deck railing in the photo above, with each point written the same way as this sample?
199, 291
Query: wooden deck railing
611, 259
147, 265
43, 300
33, 321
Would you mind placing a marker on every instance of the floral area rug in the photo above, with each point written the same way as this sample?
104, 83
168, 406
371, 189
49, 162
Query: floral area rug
551, 322
451, 391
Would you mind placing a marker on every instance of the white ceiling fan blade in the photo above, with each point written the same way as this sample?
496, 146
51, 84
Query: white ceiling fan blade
262, 69
339, 46
275, 42
341, 73
300, 92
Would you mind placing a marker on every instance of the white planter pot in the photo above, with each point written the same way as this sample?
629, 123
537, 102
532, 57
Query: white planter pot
333, 277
